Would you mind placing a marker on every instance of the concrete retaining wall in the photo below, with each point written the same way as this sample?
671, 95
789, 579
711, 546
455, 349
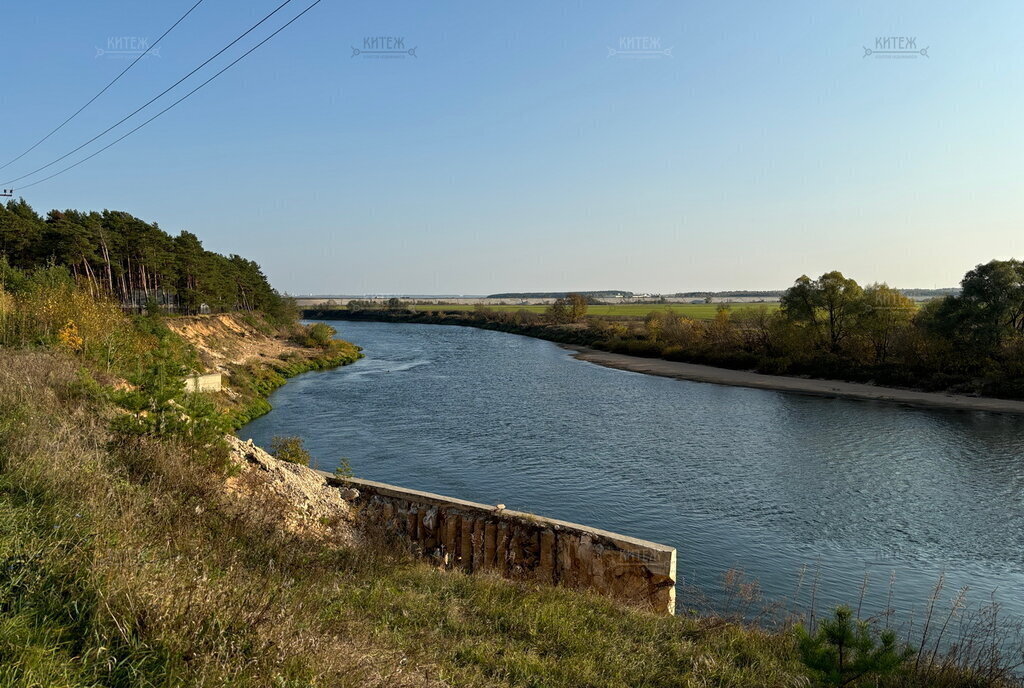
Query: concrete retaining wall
211, 382
478, 537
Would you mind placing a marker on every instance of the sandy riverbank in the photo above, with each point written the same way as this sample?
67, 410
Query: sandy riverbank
827, 388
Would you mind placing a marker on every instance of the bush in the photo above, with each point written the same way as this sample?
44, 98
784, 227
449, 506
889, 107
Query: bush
318, 335
635, 347
290, 449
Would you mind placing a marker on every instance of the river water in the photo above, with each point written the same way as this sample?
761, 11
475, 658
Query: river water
762, 481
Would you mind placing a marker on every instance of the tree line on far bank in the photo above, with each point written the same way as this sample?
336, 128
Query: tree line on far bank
116, 254
832, 326
828, 327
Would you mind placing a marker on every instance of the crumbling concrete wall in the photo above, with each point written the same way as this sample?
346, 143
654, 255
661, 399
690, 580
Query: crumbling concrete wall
478, 537
210, 382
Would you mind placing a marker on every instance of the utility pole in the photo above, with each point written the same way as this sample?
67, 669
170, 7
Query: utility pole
8, 193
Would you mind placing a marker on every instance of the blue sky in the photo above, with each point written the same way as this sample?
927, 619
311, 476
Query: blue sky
513, 153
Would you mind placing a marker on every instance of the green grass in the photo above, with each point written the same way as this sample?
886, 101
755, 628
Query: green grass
487, 631
697, 311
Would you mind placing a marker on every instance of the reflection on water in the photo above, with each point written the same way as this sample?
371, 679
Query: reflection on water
754, 479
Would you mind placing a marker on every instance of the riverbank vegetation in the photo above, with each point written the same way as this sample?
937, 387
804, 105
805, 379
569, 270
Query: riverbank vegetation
829, 327
47, 308
97, 285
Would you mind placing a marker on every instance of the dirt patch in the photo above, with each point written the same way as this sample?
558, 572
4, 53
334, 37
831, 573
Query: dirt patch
226, 339
288, 496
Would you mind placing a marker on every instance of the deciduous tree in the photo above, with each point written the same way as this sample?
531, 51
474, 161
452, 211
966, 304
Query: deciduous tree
829, 304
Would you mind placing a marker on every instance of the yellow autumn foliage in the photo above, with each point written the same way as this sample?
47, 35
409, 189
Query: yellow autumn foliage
69, 338
70, 317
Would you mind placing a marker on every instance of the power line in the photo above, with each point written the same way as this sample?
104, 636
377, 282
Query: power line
152, 100
116, 78
126, 135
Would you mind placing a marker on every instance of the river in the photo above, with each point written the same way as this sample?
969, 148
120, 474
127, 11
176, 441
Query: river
768, 482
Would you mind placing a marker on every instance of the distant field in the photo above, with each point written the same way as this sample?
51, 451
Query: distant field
697, 311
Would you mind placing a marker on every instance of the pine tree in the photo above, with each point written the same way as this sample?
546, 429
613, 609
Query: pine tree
845, 650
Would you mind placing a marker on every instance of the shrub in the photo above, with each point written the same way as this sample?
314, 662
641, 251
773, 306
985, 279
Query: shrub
321, 334
290, 449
